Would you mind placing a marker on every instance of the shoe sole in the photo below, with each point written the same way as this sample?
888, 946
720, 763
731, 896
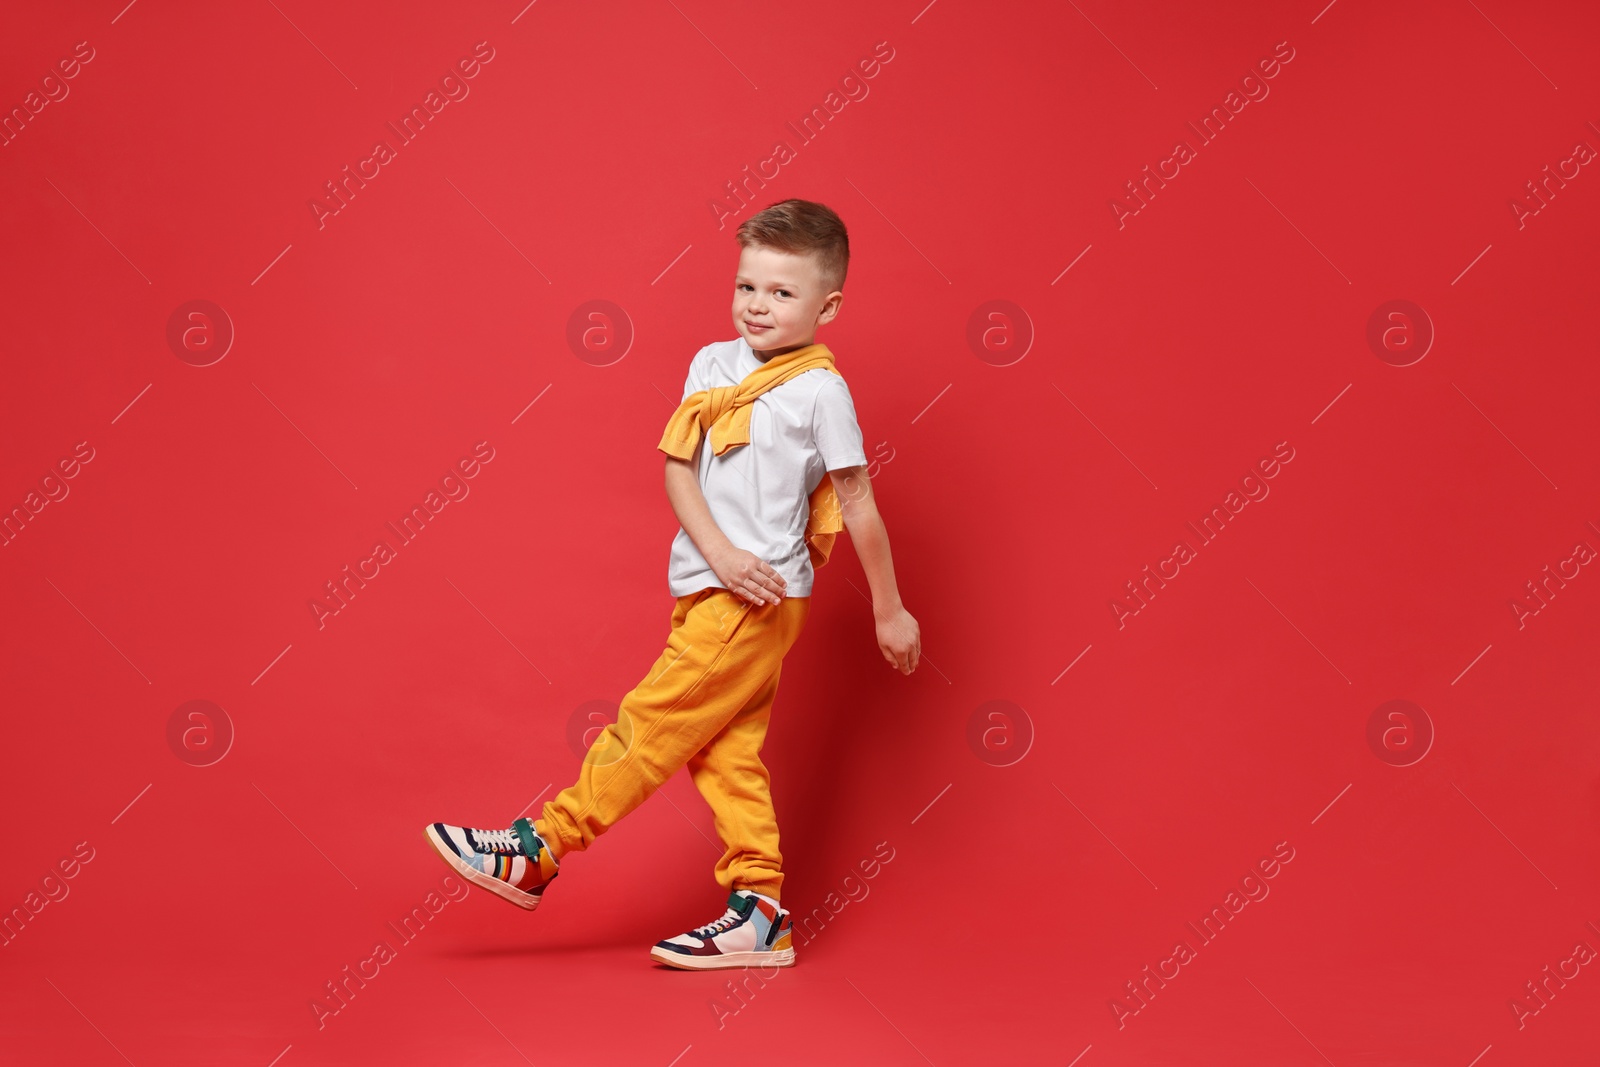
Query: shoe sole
525, 901
780, 958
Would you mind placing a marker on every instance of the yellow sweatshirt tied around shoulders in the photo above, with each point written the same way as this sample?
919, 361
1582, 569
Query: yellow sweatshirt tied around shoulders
723, 413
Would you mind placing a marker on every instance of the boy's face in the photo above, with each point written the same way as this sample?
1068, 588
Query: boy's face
779, 300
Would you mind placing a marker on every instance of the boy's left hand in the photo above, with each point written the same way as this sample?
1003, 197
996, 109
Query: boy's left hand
899, 639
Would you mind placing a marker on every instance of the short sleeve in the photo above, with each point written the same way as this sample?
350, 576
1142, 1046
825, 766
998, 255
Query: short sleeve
693, 382
833, 424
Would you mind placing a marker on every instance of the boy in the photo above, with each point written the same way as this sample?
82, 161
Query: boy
764, 463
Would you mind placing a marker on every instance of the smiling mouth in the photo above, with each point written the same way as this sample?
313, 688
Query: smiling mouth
756, 325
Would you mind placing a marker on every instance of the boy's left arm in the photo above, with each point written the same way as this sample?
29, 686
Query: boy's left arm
899, 636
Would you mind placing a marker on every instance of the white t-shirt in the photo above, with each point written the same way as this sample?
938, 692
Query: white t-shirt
759, 493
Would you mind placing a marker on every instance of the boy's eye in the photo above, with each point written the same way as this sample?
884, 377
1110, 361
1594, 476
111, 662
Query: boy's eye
784, 292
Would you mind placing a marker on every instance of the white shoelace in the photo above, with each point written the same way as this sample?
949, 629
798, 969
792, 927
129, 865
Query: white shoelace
499, 840
728, 920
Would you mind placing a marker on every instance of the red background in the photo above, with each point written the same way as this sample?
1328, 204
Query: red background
1228, 715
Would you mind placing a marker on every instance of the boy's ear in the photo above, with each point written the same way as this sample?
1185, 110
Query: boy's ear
830, 307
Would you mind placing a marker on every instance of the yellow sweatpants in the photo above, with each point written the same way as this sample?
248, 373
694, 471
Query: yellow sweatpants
705, 703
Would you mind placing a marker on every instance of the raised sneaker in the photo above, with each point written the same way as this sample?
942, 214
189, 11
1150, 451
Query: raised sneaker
514, 864
753, 932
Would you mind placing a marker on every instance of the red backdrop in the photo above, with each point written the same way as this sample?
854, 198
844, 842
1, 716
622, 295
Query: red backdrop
1228, 376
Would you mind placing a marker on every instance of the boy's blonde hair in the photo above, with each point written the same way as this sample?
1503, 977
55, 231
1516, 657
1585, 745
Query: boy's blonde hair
802, 227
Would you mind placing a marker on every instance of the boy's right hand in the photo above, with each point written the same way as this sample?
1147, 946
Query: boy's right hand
748, 576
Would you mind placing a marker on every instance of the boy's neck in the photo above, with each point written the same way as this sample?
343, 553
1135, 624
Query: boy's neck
763, 355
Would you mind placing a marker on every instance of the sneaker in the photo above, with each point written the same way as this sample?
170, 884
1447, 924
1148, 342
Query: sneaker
514, 863
751, 933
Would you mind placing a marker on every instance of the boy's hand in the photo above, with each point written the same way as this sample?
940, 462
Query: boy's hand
899, 639
747, 575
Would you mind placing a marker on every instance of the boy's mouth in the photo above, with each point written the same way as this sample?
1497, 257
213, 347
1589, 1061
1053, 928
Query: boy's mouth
755, 326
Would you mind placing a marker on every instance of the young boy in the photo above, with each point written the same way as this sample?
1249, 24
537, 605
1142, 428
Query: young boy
764, 463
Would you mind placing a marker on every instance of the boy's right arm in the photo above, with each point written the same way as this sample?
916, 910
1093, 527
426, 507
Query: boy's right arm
742, 572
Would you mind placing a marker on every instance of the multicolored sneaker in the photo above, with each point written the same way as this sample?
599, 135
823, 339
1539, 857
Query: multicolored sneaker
751, 933
514, 863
